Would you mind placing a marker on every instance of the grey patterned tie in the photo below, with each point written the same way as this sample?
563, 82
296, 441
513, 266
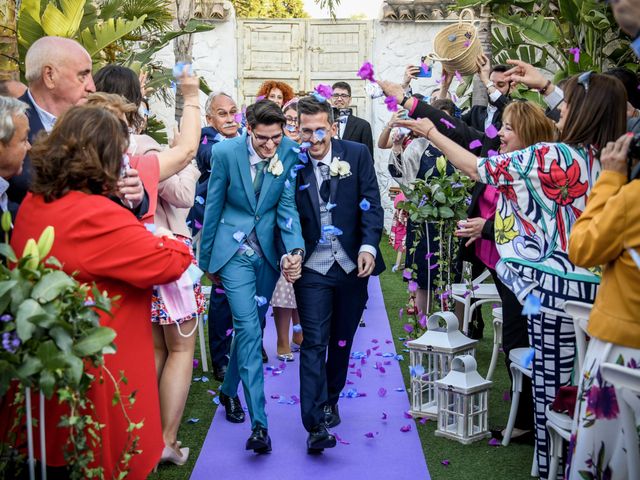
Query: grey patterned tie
326, 180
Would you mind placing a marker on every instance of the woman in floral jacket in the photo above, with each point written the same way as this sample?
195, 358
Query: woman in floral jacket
543, 190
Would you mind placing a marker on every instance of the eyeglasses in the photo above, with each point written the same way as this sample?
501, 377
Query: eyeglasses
262, 140
584, 79
306, 134
343, 96
291, 120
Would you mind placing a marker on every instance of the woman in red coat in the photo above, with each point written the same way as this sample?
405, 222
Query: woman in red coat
75, 189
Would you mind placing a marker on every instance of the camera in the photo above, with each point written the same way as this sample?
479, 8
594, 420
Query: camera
633, 155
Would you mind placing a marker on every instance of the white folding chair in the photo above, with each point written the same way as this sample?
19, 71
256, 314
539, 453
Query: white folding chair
206, 290
559, 424
627, 384
497, 341
473, 296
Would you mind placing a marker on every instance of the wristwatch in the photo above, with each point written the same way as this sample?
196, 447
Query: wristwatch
297, 251
490, 84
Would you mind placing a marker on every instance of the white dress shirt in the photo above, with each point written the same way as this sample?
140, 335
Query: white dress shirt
254, 159
491, 109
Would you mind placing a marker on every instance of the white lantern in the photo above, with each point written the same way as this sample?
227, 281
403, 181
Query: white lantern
463, 402
430, 359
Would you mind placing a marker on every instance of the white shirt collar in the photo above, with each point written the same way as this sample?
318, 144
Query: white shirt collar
326, 159
47, 119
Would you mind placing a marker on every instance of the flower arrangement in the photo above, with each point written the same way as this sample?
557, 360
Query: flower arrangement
52, 342
442, 200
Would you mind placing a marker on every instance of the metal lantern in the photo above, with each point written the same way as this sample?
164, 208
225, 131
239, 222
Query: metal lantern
463, 402
430, 360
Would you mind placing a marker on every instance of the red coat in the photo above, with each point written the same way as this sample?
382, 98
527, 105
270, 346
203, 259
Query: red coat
106, 244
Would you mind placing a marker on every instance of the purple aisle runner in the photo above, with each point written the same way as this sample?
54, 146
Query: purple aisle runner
389, 454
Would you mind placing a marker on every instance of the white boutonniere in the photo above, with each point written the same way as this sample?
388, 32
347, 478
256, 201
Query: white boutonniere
275, 167
339, 167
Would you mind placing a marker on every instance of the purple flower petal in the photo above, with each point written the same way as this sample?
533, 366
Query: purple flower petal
370, 434
384, 416
229, 331
423, 421
491, 131
392, 104
205, 141
408, 327
447, 123
492, 153
475, 144
506, 396
405, 428
445, 463
196, 362
413, 286
382, 392
366, 72
407, 415
340, 439
494, 442
342, 343
406, 274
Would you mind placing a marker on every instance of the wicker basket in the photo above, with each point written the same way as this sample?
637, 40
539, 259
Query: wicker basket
449, 46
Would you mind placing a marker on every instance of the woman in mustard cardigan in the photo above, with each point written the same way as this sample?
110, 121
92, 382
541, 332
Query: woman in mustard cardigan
608, 234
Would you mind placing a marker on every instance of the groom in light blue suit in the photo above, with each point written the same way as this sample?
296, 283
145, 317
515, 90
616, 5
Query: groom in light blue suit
251, 195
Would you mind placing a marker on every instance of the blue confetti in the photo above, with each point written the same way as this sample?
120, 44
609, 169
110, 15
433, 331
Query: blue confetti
331, 230
216, 400
289, 223
388, 355
239, 236
293, 173
204, 379
365, 205
305, 145
298, 167
531, 306
173, 86
399, 389
282, 399
318, 97
199, 200
295, 149
297, 328
151, 227
193, 420
287, 183
320, 134
399, 358
330, 206
180, 67
260, 300
416, 371
528, 358
303, 187
303, 157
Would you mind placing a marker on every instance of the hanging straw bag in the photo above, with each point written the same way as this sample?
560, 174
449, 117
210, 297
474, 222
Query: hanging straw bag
457, 46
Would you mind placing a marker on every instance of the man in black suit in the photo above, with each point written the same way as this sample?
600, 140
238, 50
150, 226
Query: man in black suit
350, 127
59, 74
338, 202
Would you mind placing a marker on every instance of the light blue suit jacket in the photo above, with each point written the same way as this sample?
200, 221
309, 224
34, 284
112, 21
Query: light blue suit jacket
232, 207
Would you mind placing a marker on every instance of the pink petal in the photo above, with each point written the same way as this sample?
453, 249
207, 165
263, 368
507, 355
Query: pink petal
475, 144
229, 331
407, 415
492, 153
405, 428
491, 131
196, 362
342, 343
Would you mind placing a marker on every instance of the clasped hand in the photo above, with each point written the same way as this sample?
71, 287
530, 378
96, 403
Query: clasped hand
130, 189
292, 267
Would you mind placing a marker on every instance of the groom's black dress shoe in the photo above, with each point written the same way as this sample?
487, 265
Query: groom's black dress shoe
265, 357
319, 438
331, 416
259, 440
219, 371
232, 408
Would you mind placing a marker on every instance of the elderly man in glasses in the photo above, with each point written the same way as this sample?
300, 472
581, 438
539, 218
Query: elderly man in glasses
350, 127
251, 192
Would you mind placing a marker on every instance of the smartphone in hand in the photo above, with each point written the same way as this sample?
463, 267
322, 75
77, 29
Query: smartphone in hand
425, 69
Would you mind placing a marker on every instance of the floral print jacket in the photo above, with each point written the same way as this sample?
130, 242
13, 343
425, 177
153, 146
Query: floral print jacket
544, 189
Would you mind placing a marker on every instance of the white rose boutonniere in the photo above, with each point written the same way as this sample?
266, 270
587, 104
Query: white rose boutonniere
339, 167
275, 167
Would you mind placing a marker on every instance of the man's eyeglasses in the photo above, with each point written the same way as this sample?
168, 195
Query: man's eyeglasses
584, 80
343, 96
262, 140
291, 120
306, 134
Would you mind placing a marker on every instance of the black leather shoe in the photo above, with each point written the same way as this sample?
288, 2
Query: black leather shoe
232, 408
265, 357
319, 438
259, 441
331, 416
219, 371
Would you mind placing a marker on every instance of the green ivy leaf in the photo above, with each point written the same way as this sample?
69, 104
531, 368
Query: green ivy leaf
6, 285
30, 366
50, 356
51, 286
62, 338
94, 342
7, 252
76, 367
445, 212
47, 383
28, 312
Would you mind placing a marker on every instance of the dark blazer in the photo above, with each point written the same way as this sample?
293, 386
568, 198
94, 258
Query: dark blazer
359, 227
19, 185
359, 130
476, 117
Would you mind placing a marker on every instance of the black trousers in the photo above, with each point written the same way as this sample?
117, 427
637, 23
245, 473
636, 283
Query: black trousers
515, 335
219, 324
330, 307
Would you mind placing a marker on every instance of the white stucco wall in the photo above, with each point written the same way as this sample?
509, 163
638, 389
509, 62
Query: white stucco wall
214, 59
395, 45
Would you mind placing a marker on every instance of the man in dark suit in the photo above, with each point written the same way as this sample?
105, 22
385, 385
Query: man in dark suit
59, 74
350, 127
339, 206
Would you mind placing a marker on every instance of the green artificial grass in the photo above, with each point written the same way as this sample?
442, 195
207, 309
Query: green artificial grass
477, 461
